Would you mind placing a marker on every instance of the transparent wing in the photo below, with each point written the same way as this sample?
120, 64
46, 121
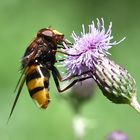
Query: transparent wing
18, 89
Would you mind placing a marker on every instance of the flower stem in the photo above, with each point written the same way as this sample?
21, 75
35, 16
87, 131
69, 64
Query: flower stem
135, 104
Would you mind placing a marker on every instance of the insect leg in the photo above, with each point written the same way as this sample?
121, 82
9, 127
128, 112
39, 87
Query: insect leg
60, 60
57, 77
73, 76
66, 53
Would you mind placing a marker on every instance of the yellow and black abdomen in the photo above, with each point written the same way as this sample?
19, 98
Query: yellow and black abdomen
37, 80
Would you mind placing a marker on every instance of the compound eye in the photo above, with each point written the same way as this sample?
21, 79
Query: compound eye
47, 33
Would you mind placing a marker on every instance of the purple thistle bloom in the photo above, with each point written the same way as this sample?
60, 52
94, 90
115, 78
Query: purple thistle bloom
117, 135
88, 47
88, 57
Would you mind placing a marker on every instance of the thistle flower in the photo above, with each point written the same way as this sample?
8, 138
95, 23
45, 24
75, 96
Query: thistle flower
88, 48
81, 93
117, 135
89, 57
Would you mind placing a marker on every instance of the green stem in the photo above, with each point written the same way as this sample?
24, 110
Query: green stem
135, 104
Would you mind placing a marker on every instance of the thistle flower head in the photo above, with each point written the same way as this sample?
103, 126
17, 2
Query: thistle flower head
89, 53
88, 47
117, 135
115, 82
81, 93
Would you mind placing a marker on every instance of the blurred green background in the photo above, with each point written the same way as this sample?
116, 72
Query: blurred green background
19, 22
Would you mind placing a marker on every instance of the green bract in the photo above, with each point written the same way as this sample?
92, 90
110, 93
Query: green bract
115, 82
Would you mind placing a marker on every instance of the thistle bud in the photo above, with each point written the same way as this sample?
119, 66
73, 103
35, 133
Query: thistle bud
115, 82
81, 93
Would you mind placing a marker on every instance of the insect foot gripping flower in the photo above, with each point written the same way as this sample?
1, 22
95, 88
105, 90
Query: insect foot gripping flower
89, 57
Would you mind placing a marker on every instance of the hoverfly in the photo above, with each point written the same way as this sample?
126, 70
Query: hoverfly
37, 62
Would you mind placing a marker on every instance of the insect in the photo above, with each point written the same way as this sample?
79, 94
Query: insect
37, 63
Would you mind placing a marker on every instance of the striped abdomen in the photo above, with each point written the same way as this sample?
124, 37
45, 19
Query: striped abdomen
37, 80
